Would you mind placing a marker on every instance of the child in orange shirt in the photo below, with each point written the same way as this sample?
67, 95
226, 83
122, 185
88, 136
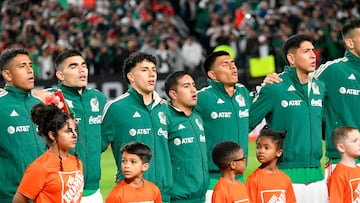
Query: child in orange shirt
267, 183
344, 182
56, 176
134, 188
230, 159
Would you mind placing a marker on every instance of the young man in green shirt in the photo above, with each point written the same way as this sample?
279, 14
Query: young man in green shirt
295, 105
187, 143
19, 143
140, 115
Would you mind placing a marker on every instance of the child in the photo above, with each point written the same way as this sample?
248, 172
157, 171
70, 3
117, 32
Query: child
134, 188
267, 183
344, 182
230, 159
56, 176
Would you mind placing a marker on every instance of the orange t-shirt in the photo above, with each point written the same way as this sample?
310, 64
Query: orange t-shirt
43, 181
124, 192
344, 184
226, 192
264, 187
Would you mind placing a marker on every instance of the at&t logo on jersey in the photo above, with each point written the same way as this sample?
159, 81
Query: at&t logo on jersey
343, 90
185, 140
141, 131
216, 115
16, 129
285, 103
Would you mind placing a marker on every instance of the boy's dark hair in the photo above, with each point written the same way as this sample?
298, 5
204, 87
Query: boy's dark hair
210, 60
172, 79
223, 153
8, 55
276, 137
349, 27
134, 59
64, 55
138, 148
294, 42
340, 134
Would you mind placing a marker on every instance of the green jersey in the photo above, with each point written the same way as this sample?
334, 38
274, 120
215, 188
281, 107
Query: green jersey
20, 144
297, 108
127, 119
88, 108
342, 101
225, 118
187, 145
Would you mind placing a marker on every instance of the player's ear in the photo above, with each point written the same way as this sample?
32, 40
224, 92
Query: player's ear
340, 148
145, 166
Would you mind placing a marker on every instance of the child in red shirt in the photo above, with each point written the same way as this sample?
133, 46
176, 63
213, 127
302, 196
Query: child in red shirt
344, 182
230, 159
134, 188
267, 183
56, 176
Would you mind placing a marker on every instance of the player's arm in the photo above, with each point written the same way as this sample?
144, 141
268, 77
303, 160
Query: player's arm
20, 198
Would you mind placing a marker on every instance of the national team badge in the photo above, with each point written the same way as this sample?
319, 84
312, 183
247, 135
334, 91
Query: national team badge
162, 118
94, 103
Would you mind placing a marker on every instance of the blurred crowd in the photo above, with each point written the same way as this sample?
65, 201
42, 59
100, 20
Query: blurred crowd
178, 32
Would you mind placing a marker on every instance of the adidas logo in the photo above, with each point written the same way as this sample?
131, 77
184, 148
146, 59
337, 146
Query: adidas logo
181, 126
291, 88
352, 77
14, 114
136, 115
220, 101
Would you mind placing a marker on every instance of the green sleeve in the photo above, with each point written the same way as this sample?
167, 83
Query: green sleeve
261, 106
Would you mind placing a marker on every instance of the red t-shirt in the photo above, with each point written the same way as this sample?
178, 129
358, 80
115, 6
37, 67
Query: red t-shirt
123, 192
226, 192
44, 182
264, 187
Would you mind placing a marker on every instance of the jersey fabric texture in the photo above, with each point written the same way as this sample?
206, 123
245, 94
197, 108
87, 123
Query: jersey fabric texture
44, 182
225, 117
88, 108
341, 77
344, 184
123, 192
19, 142
187, 145
297, 108
226, 192
127, 119
263, 187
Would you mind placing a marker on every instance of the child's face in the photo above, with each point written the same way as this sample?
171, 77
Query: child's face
266, 150
67, 136
239, 162
352, 144
132, 166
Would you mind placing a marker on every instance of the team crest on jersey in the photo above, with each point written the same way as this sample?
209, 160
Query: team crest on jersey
94, 104
162, 117
199, 124
240, 100
315, 88
273, 196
